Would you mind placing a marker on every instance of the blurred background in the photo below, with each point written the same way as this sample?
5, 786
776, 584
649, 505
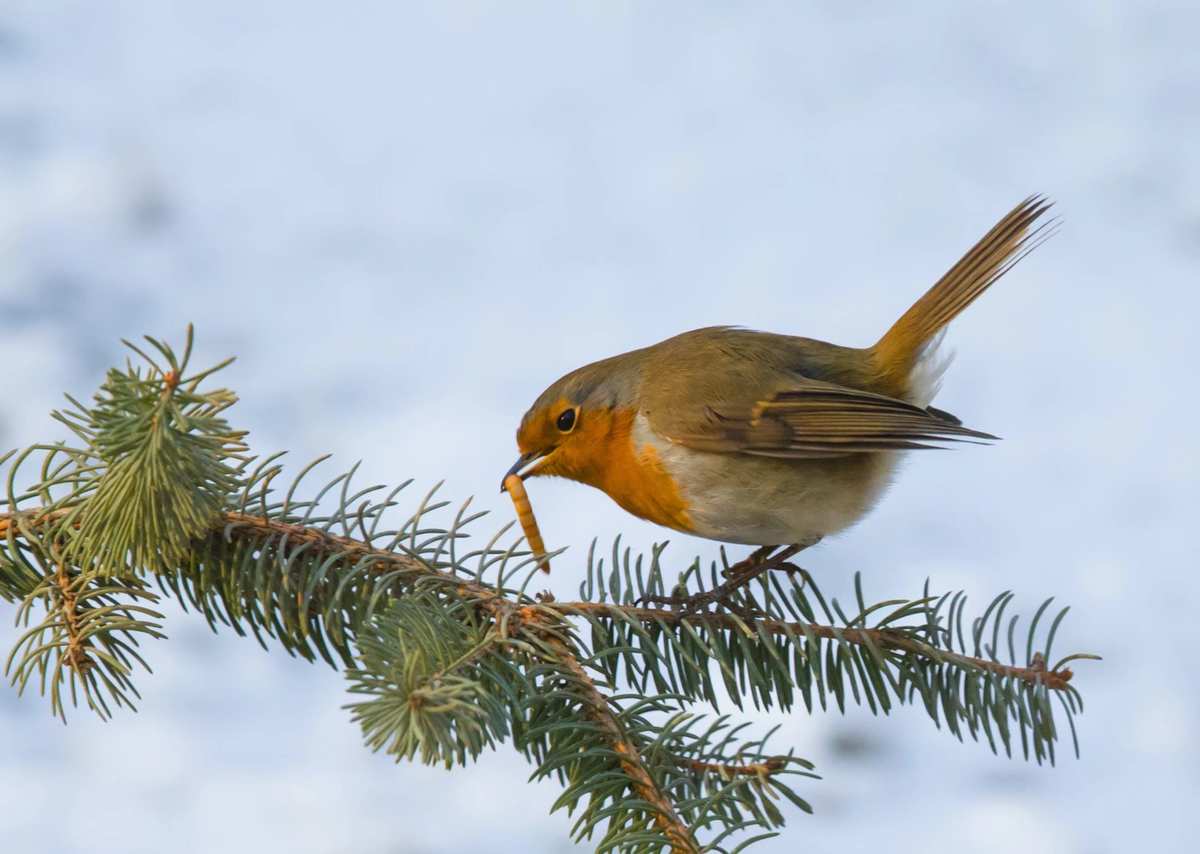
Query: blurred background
407, 219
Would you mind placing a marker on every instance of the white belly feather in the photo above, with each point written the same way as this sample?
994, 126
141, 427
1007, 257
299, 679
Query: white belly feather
738, 498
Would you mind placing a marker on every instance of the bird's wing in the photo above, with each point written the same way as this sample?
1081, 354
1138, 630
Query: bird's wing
814, 419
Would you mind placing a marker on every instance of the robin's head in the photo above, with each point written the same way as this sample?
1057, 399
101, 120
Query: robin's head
569, 426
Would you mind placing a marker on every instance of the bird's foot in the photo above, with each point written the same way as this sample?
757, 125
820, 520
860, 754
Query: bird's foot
738, 574
761, 560
751, 562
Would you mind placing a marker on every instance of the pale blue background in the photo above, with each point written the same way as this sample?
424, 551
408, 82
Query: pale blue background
406, 219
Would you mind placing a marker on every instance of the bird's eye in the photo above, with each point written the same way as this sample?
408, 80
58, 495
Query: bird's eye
566, 421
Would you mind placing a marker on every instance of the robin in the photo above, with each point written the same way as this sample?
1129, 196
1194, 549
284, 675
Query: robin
765, 439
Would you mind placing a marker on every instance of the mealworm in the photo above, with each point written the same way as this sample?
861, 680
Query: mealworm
520, 500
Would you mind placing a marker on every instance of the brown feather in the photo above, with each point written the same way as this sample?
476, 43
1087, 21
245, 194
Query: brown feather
820, 420
897, 352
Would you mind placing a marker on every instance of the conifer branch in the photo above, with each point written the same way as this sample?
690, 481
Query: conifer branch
675, 830
233, 525
445, 652
1036, 672
77, 657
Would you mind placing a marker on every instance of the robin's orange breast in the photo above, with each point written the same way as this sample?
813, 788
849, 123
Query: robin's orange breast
607, 455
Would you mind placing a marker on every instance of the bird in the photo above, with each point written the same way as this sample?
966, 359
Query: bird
760, 438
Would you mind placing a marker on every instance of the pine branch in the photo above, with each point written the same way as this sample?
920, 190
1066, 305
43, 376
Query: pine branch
1035, 673
231, 526
404, 571
76, 654
598, 709
446, 653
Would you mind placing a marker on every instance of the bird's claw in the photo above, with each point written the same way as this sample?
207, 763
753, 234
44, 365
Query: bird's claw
739, 574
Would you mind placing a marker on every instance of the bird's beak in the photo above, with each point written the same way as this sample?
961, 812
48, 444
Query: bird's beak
521, 467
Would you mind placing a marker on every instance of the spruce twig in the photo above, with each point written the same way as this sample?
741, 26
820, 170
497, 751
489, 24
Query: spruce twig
259, 529
444, 651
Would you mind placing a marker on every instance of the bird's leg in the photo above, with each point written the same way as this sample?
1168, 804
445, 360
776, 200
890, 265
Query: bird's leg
751, 561
739, 575
750, 566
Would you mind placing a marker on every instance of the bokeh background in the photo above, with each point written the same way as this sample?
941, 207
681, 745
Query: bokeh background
407, 219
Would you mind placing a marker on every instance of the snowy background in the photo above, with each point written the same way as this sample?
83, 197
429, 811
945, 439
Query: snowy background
407, 219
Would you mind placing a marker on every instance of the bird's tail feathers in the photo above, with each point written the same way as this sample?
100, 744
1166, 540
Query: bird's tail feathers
902, 347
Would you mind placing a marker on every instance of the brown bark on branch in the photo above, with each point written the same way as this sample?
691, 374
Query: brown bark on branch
648, 790
881, 638
235, 525
506, 613
77, 648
